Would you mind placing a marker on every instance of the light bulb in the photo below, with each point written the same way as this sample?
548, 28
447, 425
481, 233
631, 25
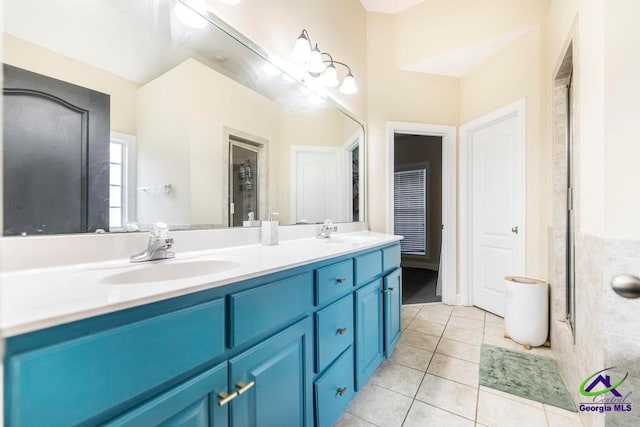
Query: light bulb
189, 17
315, 65
301, 50
348, 86
330, 76
231, 2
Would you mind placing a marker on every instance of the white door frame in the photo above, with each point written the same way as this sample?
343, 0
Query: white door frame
517, 109
448, 255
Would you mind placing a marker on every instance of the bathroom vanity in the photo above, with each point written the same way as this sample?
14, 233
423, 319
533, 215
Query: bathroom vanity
280, 336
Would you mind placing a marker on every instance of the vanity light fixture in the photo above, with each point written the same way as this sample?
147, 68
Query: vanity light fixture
313, 60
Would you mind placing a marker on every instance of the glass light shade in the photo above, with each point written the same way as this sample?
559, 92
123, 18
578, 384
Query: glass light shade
348, 86
315, 65
188, 17
301, 50
231, 2
330, 76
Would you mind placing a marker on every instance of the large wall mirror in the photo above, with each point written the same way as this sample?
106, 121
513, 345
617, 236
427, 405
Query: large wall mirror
118, 114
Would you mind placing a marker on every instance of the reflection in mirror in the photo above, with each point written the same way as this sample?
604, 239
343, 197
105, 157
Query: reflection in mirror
144, 118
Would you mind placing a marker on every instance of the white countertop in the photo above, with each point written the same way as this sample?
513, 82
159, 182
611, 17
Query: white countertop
40, 298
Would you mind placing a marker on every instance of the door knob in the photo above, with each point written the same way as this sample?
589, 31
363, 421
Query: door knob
514, 229
626, 285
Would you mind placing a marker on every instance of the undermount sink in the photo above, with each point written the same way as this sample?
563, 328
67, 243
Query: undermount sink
168, 270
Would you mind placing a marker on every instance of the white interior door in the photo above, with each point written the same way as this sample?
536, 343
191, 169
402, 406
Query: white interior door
497, 209
318, 183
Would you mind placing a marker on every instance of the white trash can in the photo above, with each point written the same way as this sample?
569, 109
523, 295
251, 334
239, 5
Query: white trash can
526, 310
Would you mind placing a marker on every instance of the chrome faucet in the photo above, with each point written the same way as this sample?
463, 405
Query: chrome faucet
327, 229
158, 247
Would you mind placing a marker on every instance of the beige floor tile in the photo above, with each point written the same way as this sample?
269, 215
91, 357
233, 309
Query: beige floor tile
454, 369
411, 357
422, 414
409, 311
494, 329
441, 318
560, 411
464, 323
449, 395
398, 378
498, 411
463, 335
529, 402
464, 351
420, 340
492, 318
426, 327
557, 420
438, 308
380, 406
468, 312
350, 420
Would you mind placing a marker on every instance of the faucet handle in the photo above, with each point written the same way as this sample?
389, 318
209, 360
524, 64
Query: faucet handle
328, 223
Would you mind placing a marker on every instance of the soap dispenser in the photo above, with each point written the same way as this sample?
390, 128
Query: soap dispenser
270, 230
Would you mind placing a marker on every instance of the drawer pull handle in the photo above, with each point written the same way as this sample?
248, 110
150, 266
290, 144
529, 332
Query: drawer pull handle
242, 387
341, 331
226, 397
341, 280
341, 391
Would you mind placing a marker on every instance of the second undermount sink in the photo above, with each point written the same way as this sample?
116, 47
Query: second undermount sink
168, 270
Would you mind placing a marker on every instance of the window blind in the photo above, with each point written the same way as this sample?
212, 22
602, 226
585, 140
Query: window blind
410, 210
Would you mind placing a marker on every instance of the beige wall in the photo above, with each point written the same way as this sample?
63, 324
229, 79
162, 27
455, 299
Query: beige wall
182, 116
512, 74
23, 54
395, 95
338, 26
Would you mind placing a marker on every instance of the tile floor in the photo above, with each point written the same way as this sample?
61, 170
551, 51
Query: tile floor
432, 377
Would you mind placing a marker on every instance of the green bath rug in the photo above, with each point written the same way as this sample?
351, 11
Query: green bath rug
525, 375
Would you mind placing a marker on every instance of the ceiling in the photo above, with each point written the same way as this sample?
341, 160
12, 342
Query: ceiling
460, 61
389, 6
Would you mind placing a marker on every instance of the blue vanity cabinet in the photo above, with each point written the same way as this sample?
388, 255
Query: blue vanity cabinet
369, 331
290, 348
273, 380
194, 403
392, 290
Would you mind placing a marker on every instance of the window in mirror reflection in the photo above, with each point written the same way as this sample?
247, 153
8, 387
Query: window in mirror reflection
121, 180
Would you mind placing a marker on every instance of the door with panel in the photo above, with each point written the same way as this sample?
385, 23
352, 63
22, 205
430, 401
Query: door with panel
198, 402
274, 380
369, 331
392, 290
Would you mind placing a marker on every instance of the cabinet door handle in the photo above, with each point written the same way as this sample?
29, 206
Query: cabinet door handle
341, 331
341, 391
341, 280
226, 397
389, 289
242, 387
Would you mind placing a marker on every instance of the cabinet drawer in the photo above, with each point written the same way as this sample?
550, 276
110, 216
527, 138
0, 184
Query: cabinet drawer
391, 257
259, 310
71, 382
334, 390
333, 280
368, 266
334, 331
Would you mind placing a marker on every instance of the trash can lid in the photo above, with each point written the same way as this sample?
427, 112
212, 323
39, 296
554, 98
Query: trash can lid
525, 280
